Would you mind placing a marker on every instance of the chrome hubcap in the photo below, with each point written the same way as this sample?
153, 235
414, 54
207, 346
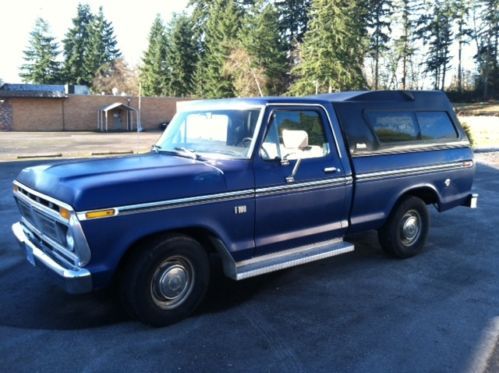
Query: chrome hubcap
410, 227
172, 282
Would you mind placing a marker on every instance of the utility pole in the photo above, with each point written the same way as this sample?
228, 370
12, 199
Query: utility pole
139, 113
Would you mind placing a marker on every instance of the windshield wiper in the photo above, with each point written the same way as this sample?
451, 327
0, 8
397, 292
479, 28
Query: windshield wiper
192, 154
156, 148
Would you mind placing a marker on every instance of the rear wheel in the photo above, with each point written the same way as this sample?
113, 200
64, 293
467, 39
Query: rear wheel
165, 279
405, 232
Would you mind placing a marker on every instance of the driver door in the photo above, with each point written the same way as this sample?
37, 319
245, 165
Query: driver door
298, 204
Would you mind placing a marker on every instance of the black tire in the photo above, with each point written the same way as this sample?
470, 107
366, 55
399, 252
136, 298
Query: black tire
165, 279
405, 232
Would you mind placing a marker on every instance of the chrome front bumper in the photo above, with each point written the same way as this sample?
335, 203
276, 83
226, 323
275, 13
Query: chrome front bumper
74, 281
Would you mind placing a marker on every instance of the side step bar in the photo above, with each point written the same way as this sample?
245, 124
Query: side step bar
290, 258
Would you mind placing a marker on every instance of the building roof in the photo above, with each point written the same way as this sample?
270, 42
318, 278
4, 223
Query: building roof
32, 91
117, 105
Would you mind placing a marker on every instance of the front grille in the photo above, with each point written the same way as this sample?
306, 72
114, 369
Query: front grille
41, 218
47, 226
26, 212
40, 200
64, 258
52, 229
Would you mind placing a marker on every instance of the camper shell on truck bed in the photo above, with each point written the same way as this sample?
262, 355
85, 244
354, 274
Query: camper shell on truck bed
424, 120
405, 140
264, 183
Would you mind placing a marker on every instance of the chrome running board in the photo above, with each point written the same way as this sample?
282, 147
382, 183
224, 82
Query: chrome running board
289, 258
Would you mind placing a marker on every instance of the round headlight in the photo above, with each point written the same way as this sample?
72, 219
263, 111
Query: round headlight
70, 241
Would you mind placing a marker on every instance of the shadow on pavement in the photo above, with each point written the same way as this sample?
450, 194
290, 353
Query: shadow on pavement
30, 299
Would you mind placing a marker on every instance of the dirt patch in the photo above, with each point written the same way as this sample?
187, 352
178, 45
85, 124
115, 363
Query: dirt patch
477, 108
484, 129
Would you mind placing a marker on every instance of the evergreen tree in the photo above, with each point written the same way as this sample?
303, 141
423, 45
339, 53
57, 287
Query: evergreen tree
461, 14
182, 57
436, 30
404, 44
222, 27
154, 73
102, 44
378, 21
332, 52
262, 40
293, 16
201, 12
41, 55
76, 46
199, 17
486, 35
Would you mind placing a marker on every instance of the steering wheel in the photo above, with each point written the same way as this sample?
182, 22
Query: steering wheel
245, 142
264, 154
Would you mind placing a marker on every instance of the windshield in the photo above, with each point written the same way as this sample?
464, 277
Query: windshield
226, 133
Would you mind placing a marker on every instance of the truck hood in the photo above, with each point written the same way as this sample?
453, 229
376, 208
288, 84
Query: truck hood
111, 182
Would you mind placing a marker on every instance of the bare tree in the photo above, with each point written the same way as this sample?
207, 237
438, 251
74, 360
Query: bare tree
116, 75
248, 80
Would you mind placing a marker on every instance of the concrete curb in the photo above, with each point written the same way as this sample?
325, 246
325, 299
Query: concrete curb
29, 156
62, 156
486, 150
112, 153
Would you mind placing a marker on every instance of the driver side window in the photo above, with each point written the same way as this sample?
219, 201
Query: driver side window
294, 134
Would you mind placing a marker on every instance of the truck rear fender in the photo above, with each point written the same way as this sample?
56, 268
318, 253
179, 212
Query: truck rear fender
427, 192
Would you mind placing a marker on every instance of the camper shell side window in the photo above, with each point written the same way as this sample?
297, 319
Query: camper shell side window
405, 127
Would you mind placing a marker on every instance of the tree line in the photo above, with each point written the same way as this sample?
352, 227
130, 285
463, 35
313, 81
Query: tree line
89, 45
227, 48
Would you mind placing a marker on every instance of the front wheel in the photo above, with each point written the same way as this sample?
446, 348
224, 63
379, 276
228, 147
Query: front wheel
405, 232
166, 279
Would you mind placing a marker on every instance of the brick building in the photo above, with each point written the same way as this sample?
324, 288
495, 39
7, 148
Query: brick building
26, 107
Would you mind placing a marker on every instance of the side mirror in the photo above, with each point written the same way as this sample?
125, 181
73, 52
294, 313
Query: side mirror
285, 160
291, 178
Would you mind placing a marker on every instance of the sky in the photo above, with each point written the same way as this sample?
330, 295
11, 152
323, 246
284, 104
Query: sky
132, 21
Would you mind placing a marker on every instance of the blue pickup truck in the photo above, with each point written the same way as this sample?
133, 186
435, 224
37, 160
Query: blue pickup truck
262, 183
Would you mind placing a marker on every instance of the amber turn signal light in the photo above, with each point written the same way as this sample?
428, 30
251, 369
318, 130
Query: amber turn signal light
100, 214
64, 213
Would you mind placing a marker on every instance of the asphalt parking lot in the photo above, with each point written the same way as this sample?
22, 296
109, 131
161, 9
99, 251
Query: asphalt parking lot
24, 145
361, 312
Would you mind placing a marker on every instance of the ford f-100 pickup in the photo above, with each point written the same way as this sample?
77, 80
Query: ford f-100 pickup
262, 183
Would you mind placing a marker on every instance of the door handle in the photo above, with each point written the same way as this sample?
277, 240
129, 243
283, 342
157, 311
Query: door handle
329, 170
